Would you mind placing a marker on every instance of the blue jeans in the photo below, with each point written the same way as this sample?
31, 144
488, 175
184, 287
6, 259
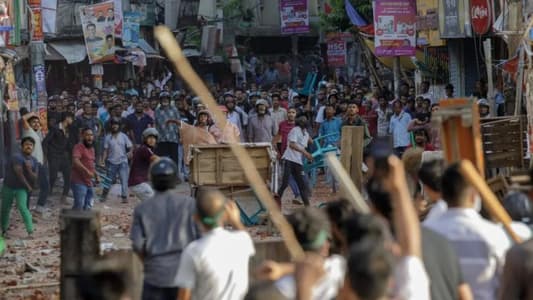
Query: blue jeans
294, 187
83, 196
183, 169
123, 171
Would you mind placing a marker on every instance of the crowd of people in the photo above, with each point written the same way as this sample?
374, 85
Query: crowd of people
426, 239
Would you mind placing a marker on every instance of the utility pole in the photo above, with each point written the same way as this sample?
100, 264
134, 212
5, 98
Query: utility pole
397, 76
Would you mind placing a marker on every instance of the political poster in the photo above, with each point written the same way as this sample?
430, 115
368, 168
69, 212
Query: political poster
294, 16
336, 51
395, 27
117, 8
98, 22
131, 29
147, 11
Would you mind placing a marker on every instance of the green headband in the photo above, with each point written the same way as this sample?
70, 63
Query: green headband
318, 242
213, 221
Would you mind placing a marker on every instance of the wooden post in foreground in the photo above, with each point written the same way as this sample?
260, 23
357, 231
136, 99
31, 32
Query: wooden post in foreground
80, 247
352, 153
490, 201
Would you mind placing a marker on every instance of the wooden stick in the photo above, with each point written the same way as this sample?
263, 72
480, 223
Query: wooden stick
347, 184
492, 204
29, 286
174, 53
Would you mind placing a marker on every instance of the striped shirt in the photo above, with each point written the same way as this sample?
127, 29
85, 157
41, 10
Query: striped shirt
480, 245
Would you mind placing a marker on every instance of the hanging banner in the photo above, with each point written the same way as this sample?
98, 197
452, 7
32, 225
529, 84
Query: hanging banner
49, 13
37, 34
5, 24
395, 27
12, 96
117, 17
131, 29
452, 19
40, 84
147, 11
294, 16
336, 52
99, 31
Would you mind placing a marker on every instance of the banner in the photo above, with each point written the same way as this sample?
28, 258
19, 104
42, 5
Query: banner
40, 84
5, 24
49, 13
98, 23
37, 34
294, 16
131, 29
117, 8
336, 50
147, 11
12, 95
452, 19
395, 27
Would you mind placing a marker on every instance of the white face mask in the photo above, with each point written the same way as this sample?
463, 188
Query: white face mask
477, 203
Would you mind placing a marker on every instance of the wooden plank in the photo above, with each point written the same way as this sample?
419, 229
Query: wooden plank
80, 246
352, 153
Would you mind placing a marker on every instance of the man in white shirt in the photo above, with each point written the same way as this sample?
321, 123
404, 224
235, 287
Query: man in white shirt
216, 266
430, 176
31, 127
481, 245
425, 93
293, 160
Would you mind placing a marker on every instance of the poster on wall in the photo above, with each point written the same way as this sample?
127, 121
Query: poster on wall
98, 22
147, 11
131, 29
117, 9
395, 27
294, 16
12, 95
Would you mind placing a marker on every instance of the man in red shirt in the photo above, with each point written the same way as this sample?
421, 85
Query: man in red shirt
140, 164
83, 171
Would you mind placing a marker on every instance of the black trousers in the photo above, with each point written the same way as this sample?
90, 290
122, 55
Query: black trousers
297, 172
151, 292
168, 149
63, 165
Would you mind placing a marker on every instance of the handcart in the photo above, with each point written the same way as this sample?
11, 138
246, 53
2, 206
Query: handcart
216, 166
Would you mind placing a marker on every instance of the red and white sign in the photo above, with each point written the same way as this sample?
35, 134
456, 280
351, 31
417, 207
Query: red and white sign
480, 16
336, 52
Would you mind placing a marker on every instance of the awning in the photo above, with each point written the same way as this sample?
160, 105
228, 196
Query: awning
72, 51
51, 54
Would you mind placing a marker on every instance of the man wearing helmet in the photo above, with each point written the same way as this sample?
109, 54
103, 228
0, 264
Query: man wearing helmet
163, 226
261, 126
140, 163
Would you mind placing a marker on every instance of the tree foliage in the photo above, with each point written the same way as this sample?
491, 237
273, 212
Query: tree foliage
337, 19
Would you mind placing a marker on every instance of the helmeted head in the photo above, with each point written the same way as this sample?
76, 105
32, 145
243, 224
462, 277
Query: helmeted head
150, 136
164, 174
